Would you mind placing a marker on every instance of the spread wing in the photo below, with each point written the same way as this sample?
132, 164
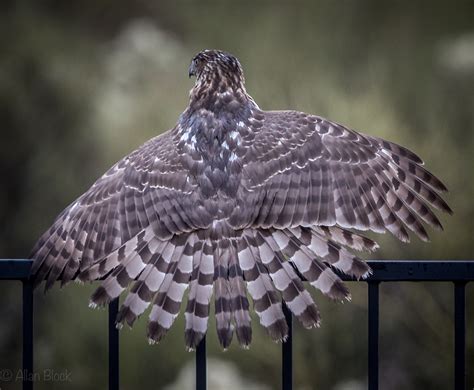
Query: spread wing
305, 170
148, 188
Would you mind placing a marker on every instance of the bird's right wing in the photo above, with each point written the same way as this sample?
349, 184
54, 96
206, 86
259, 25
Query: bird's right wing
305, 170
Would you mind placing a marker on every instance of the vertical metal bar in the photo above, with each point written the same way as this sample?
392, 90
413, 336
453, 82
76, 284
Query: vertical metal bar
27, 335
373, 291
459, 335
287, 353
201, 365
113, 346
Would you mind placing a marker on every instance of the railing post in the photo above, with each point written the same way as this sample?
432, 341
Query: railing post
459, 335
27, 335
287, 353
201, 365
373, 297
113, 346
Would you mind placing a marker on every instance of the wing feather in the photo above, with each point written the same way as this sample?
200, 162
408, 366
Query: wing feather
137, 192
355, 181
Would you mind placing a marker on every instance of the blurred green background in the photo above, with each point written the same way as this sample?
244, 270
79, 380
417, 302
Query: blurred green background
83, 83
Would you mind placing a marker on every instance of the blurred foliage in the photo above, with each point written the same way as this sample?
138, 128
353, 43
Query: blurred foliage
83, 83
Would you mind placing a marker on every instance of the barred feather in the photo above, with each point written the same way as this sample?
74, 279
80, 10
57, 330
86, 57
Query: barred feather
143, 290
266, 302
288, 283
346, 237
200, 291
222, 297
125, 267
167, 301
130, 252
332, 253
314, 270
239, 303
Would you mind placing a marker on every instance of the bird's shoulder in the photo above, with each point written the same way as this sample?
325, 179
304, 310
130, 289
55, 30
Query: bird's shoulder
293, 134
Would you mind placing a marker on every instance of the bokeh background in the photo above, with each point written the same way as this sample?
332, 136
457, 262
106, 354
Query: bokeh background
83, 83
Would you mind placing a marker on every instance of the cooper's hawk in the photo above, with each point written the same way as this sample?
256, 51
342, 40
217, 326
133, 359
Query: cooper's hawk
236, 200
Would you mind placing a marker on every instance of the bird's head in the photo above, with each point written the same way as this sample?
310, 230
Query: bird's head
219, 84
217, 68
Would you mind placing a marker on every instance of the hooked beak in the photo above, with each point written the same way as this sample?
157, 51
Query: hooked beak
192, 69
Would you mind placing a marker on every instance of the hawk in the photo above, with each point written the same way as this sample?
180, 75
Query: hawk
235, 203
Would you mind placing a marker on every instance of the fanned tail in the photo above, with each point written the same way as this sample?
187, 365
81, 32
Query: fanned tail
261, 262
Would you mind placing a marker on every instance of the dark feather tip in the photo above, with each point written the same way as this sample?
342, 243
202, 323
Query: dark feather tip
99, 298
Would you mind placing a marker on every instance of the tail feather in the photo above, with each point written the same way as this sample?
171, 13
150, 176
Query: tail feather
200, 292
346, 237
147, 284
288, 282
142, 291
239, 303
266, 301
222, 296
126, 252
167, 301
332, 253
314, 270
125, 267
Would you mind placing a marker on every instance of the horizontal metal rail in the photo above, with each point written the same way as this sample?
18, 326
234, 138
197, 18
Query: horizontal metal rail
456, 271
383, 270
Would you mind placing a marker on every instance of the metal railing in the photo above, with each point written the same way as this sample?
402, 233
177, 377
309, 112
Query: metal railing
457, 272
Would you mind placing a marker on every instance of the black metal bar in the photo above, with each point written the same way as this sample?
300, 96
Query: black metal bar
383, 270
27, 335
459, 335
423, 270
201, 365
287, 353
113, 346
15, 269
373, 292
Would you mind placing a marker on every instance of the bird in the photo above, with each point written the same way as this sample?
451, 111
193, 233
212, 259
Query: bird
236, 205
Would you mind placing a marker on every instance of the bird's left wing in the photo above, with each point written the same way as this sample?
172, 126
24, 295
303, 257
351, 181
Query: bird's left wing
148, 189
